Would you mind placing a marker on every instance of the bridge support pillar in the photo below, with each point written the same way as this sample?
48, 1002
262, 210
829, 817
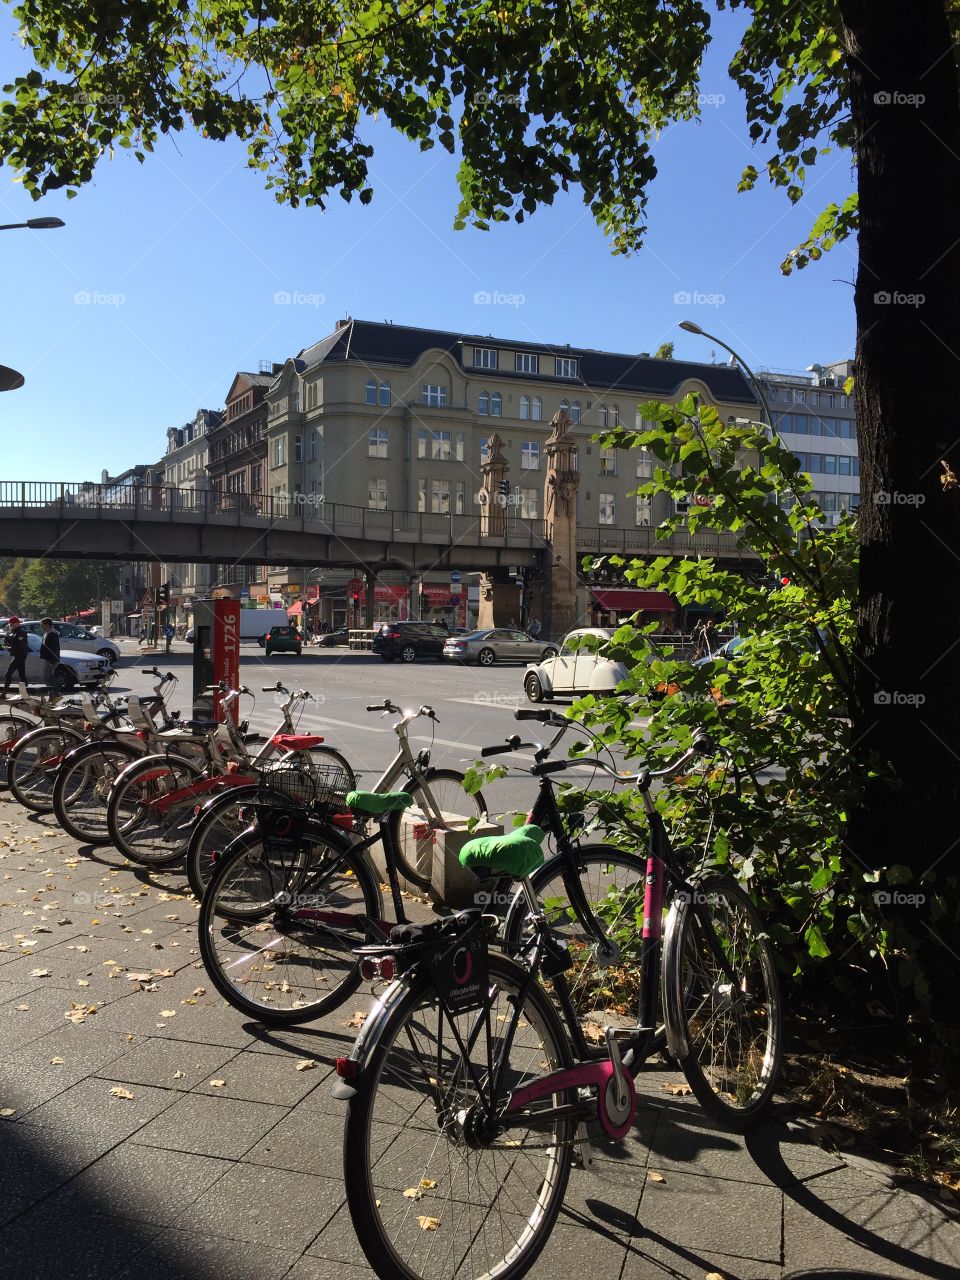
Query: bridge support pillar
499, 602
560, 509
370, 583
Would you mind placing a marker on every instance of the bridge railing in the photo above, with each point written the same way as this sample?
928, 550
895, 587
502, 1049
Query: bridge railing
303, 511
643, 541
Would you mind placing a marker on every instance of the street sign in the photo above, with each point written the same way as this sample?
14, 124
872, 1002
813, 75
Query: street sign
116, 606
456, 575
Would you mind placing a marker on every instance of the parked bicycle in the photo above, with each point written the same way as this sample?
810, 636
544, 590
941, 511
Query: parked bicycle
464, 1087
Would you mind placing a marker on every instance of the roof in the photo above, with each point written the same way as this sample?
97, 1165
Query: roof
373, 342
258, 379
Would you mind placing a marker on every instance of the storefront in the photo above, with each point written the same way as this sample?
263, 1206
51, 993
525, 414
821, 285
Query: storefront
611, 606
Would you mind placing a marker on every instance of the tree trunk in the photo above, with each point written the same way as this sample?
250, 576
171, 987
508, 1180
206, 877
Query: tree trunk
905, 104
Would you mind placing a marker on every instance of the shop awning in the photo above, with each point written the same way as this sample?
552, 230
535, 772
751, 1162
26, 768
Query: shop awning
295, 609
624, 600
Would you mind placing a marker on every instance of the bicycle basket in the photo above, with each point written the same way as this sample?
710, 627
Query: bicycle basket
293, 786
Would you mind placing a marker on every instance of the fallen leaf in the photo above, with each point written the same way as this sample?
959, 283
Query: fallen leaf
428, 1224
677, 1090
168, 1013
217, 1084
8, 1111
117, 1092
715, 1275
413, 1193
358, 1019
56, 1062
427, 1183
82, 982
200, 991
189, 1000
656, 1177
40, 973
23, 1008
178, 1075
306, 1064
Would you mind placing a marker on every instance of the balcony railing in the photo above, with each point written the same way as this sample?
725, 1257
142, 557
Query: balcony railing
644, 541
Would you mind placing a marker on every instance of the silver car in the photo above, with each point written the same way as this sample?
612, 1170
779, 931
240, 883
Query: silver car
72, 669
503, 644
79, 639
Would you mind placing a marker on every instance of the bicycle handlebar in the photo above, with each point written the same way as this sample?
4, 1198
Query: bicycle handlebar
512, 744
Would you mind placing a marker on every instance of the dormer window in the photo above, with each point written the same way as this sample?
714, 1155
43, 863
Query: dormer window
526, 362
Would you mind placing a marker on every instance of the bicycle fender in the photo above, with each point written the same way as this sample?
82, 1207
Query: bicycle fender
344, 1089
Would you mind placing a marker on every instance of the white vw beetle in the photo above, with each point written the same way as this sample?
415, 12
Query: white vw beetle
574, 671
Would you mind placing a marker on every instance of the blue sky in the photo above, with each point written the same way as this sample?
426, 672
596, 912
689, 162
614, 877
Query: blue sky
183, 256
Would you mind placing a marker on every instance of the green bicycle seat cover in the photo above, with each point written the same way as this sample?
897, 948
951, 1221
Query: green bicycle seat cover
377, 803
516, 854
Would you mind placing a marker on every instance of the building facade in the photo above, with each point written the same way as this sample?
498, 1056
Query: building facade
815, 417
385, 416
185, 471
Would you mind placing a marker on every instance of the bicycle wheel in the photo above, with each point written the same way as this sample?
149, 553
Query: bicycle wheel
413, 829
722, 1000
33, 763
604, 987
425, 1201
82, 789
277, 929
150, 809
13, 726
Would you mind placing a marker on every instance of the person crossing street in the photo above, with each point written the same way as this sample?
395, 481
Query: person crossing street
49, 649
19, 646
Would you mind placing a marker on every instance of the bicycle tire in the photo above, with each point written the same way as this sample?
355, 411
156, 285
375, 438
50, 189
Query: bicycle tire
152, 840
427, 1123
415, 857
81, 790
223, 932
587, 980
14, 725
29, 779
215, 827
701, 1005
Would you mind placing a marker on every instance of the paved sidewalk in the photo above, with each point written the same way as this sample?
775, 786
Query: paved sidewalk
150, 1132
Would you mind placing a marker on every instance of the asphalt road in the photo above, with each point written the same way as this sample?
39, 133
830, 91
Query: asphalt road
475, 706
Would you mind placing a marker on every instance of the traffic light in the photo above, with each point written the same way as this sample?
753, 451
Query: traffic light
784, 582
356, 597
503, 488
163, 595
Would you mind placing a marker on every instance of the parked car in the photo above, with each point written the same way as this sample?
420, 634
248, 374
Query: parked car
79, 639
574, 671
73, 668
283, 640
503, 644
409, 641
190, 633
330, 638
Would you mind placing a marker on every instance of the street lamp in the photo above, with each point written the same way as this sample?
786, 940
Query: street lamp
34, 224
690, 327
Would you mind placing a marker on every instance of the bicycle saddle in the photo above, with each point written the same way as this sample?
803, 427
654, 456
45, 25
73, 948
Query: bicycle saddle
378, 803
516, 854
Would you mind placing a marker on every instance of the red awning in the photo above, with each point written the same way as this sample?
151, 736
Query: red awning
295, 609
624, 600
84, 613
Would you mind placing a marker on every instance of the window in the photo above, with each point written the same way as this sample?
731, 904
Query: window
530, 455
440, 449
565, 367
614, 415
844, 466
830, 464
279, 451
575, 411
422, 443
496, 405
799, 395
459, 497
434, 395
484, 450
528, 504
608, 510
608, 462
421, 495
536, 409
440, 497
377, 495
256, 478
314, 445
293, 401
565, 407
298, 448
236, 483
643, 511
603, 417
377, 442
525, 407
814, 398
370, 392
484, 358
459, 446
483, 404
386, 394
644, 465
526, 362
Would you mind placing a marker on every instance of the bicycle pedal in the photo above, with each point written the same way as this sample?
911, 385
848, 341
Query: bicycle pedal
583, 1147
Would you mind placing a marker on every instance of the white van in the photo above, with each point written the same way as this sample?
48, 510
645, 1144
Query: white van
255, 623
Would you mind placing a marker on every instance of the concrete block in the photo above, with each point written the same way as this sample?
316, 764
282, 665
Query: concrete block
453, 885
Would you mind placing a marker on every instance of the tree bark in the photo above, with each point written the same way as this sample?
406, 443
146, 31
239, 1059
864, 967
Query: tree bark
905, 104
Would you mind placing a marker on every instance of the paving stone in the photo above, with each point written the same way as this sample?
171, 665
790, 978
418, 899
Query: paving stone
265, 1206
320, 1269
337, 1241
11, 1206
304, 1141
184, 1255
47, 1010
262, 1077
35, 1161
847, 1215
75, 1244
157, 1062
90, 1109
574, 1251
149, 1184
226, 1127
715, 1215
29, 1078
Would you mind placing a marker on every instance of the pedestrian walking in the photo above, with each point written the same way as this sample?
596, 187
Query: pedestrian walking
19, 646
703, 639
533, 628
49, 649
169, 631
